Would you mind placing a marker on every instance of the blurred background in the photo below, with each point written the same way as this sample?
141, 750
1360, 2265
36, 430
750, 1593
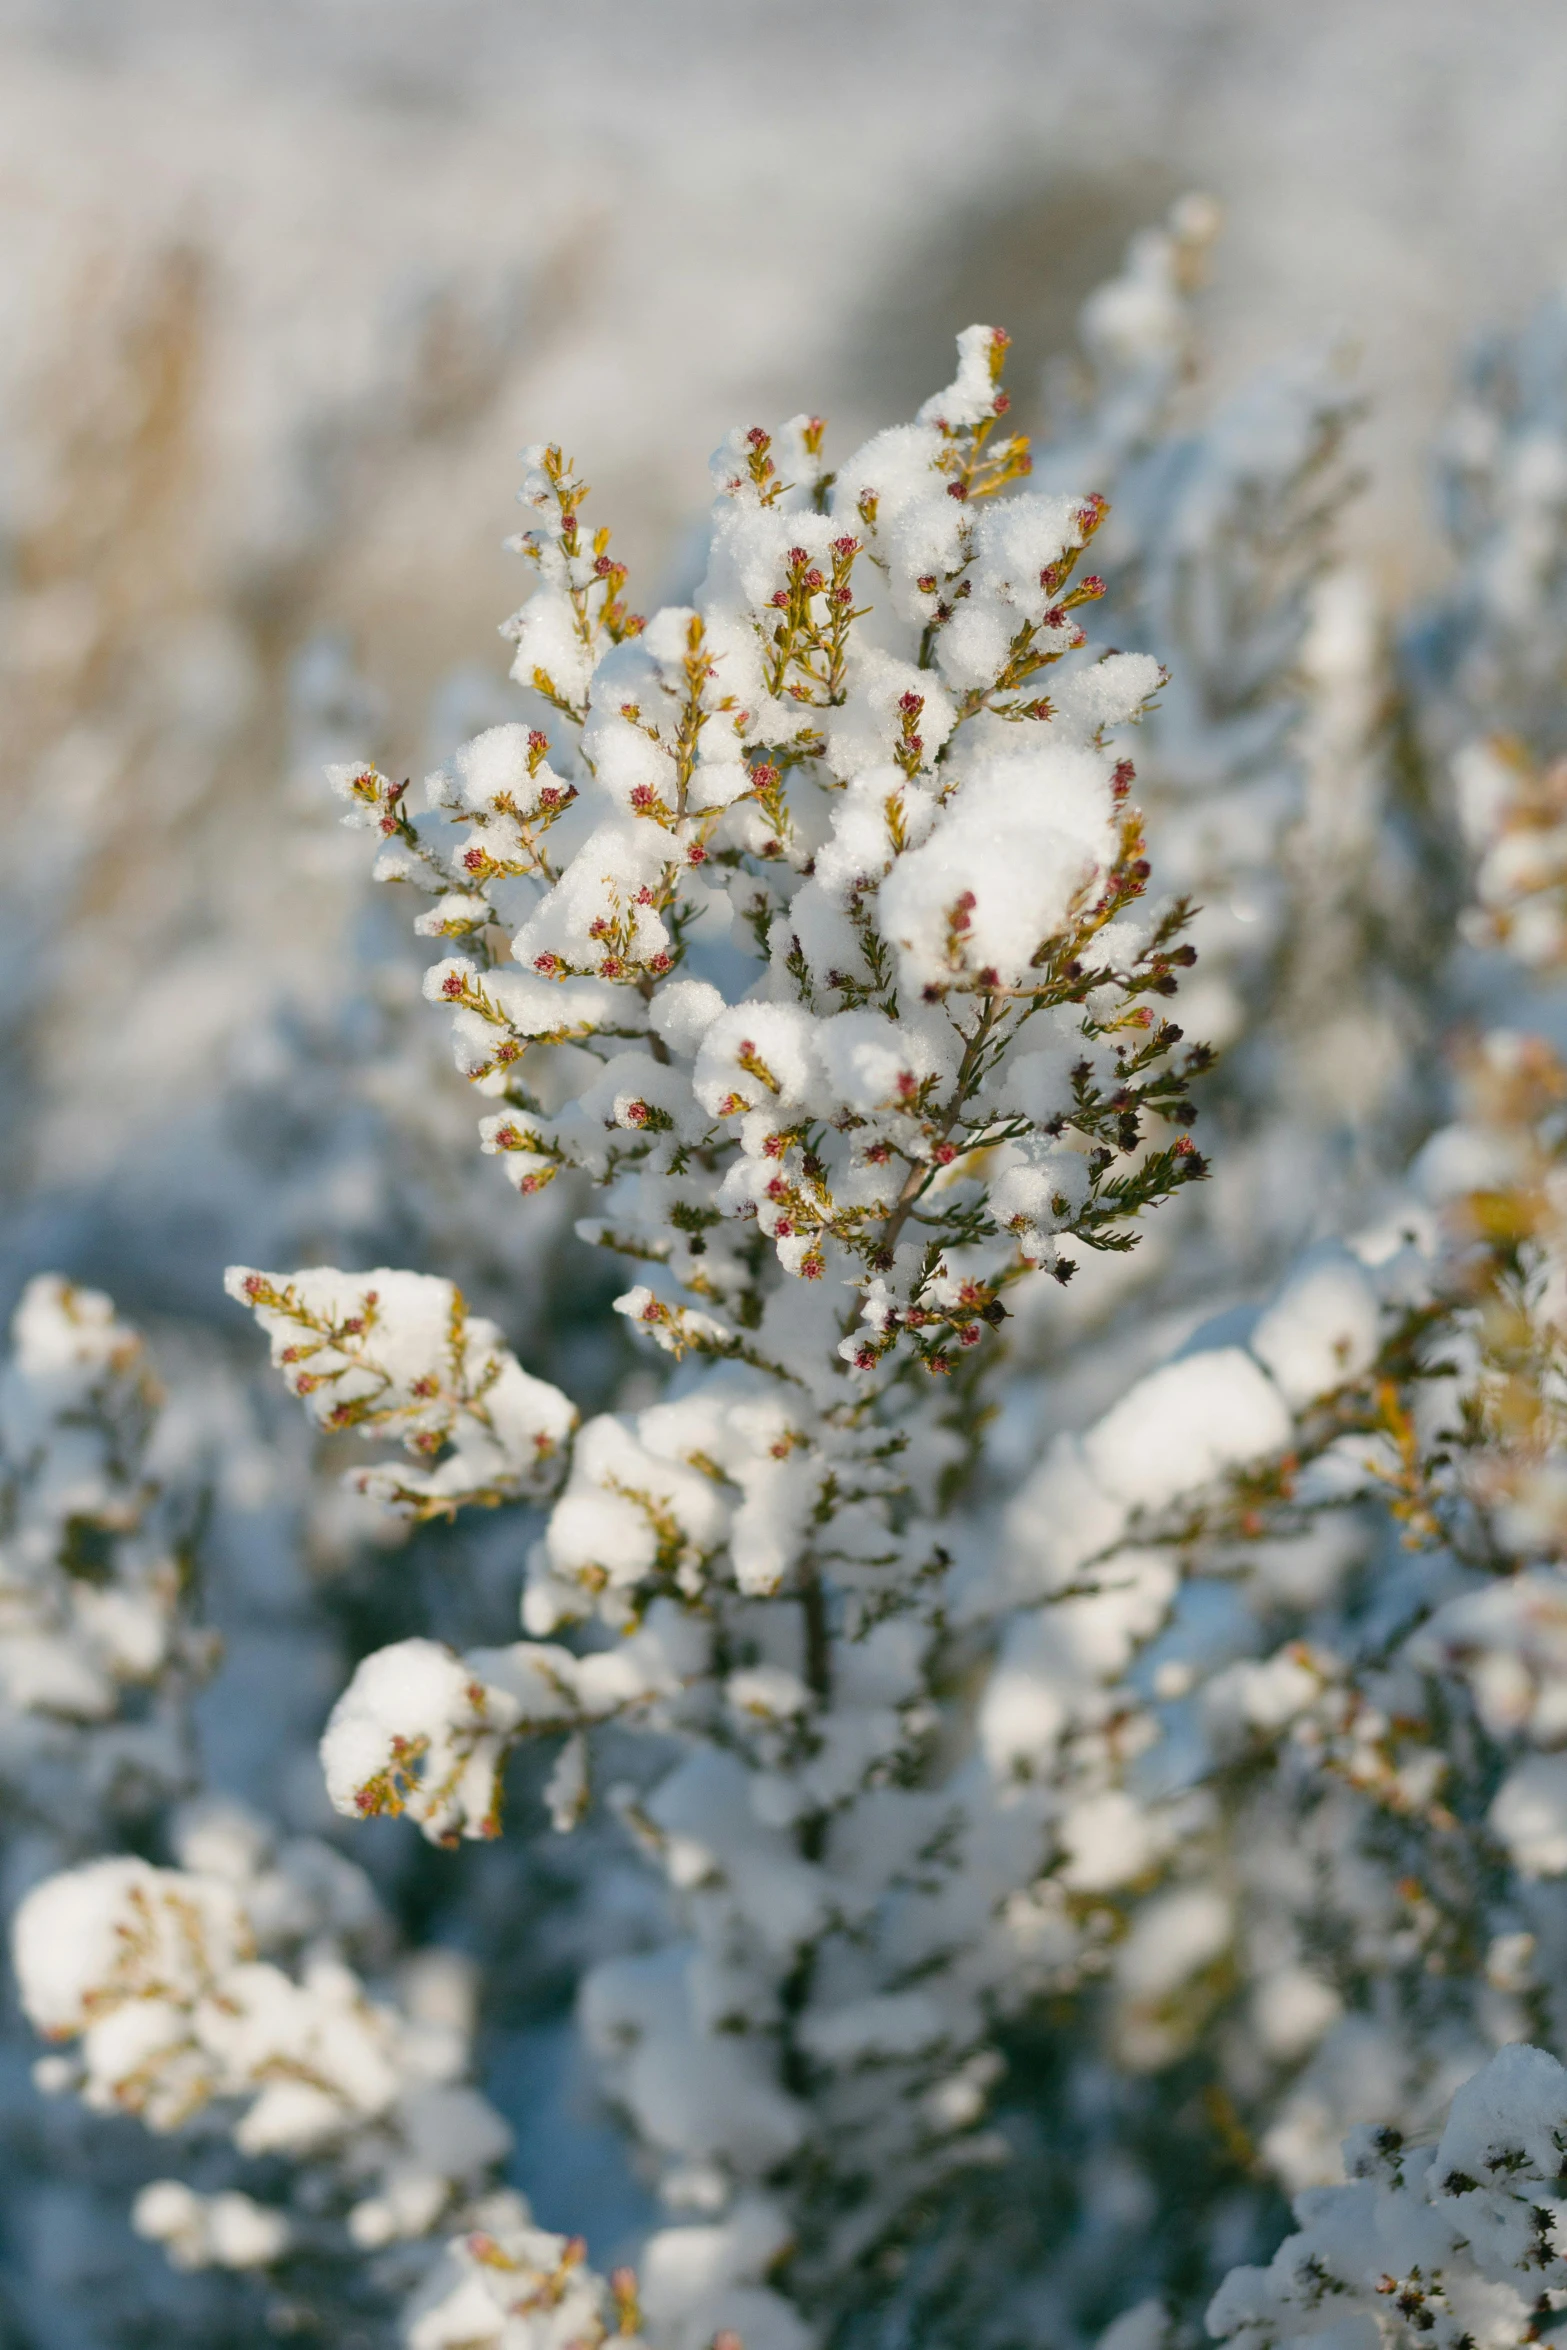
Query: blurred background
283, 288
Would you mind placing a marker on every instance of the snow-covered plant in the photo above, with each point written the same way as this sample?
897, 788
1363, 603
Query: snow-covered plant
1316, 1851
1260, 772
225, 1983
99, 1653
512, 2286
1264, 775
1515, 813
1485, 659
1489, 654
248, 2000
399, 1353
1338, 1821
1110, 404
1054, 1850
814, 931
96, 1656
1452, 2243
